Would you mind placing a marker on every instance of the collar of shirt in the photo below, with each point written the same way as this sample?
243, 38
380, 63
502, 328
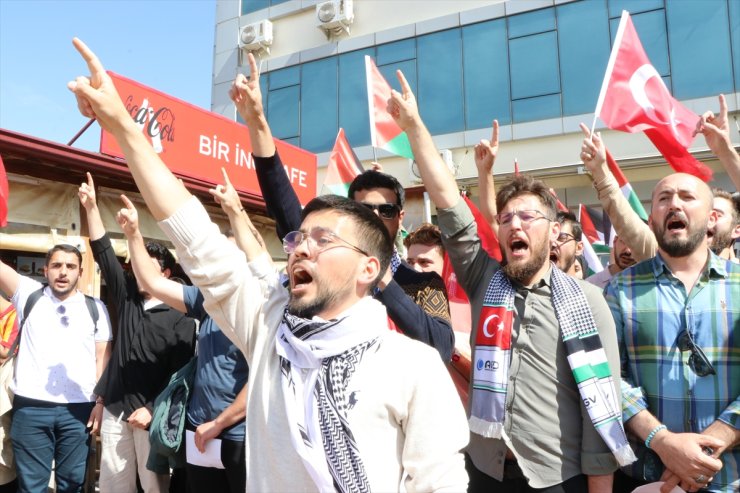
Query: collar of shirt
716, 267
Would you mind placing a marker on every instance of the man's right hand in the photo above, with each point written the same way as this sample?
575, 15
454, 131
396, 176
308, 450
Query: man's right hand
86, 193
593, 154
486, 151
128, 218
246, 94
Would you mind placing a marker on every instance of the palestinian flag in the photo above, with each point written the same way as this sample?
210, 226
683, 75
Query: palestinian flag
561, 206
384, 132
592, 242
625, 186
597, 227
343, 166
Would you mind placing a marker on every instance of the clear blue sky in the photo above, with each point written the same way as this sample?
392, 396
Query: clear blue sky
164, 44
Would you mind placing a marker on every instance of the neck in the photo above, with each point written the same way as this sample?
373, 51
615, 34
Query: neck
728, 253
688, 269
614, 269
537, 277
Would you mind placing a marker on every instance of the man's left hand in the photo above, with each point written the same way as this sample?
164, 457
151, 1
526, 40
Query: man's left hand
204, 433
140, 418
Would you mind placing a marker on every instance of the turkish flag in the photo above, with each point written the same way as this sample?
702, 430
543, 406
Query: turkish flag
494, 327
3, 195
634, 98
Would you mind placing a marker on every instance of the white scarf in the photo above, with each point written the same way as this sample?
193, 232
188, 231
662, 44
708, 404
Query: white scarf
305, 347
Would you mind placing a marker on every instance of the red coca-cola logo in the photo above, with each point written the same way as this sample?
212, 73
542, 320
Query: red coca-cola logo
157, 123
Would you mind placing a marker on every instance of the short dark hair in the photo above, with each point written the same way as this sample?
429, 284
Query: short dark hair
372, 235
375, 179
733, 199
568, 217
162, 254
63, 248
526, 185
425, 234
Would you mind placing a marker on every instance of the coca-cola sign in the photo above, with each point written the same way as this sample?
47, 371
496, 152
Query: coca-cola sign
197, 143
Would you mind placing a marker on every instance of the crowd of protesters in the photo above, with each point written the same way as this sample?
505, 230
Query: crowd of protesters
330, 375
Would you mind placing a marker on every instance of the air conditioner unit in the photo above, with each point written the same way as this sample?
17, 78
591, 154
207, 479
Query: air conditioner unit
446, 156
335, 17
256, 37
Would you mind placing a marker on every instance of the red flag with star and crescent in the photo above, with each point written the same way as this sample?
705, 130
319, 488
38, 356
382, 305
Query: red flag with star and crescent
634, 98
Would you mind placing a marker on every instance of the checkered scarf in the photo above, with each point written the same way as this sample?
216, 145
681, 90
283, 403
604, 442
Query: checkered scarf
585, 354
317, 360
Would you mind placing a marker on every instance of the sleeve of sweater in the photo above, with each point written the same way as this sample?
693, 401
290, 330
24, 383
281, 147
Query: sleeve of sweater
416, 321
234, 298
110, 269
629, 226
281, 200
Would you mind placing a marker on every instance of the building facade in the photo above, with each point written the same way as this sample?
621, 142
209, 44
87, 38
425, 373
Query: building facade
535, 65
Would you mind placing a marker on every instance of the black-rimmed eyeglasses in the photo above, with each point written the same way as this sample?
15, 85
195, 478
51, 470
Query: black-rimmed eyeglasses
698, 362
386, 211
319, 239
564, 238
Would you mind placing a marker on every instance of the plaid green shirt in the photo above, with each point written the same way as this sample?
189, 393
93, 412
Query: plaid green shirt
650, 308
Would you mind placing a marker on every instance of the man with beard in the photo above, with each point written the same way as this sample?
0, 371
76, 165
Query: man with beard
677, 318
336, 401
569, 243
416, 302
622, 258
62, 354
727, 228
537, 422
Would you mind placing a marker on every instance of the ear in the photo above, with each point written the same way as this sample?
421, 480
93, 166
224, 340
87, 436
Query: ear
579, 247
167, 272
401, 213
554, 231
736, 232
368, 272
650, 222
712, 222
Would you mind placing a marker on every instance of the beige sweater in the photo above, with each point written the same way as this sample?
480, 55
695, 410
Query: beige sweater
408, 421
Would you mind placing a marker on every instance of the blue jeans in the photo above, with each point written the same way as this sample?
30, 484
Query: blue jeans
42, 431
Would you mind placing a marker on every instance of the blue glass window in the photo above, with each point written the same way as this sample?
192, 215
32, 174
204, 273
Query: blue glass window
534, 65
396, 52
584, 53
440, 81
486, 74
319, 102
353, 104
249, 6
632, 6
534, 22
540, 108
650, 27
285, 77
282, 106
735, 35
409, 71
701, 62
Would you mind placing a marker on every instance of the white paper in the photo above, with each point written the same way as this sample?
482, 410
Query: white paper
655, 488
210, 458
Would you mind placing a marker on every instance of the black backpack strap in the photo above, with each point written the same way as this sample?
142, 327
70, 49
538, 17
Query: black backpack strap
92, 307
30, 302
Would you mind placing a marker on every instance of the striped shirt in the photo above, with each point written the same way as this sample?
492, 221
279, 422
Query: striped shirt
650, 308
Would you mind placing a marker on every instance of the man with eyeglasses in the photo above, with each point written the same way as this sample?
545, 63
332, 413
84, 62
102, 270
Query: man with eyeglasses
678, 322
544, 399
416, 302
61, 355
336, 402
568, 244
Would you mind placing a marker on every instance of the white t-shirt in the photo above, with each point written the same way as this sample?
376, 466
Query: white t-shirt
56, 355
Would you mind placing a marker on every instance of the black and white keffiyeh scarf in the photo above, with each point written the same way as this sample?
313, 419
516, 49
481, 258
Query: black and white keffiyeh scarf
585, 353
317, 360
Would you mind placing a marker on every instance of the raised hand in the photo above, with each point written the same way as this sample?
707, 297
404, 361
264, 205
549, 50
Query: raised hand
226, 195
715, 129
96, 95
246, 94
86, 193
128, 217
402, 106
486, 151
593, 153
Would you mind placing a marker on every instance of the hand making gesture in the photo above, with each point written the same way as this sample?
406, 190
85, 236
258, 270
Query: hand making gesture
486, 151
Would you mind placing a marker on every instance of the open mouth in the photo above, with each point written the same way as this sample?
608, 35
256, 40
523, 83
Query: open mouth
554, 254
675, 224
301, 277
518, 246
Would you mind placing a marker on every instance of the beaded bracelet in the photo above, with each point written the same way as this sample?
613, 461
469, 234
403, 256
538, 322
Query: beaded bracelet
652, 434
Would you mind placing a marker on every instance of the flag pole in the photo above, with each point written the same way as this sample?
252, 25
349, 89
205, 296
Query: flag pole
375, 155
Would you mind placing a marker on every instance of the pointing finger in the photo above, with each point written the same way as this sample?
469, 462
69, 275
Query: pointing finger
722, 107
405, 88
226, 177
126, 202
586, 131
494, 135
93, 63
90, 182
254, 74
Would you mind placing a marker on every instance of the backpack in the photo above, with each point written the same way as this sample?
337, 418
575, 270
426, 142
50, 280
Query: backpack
92, 307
